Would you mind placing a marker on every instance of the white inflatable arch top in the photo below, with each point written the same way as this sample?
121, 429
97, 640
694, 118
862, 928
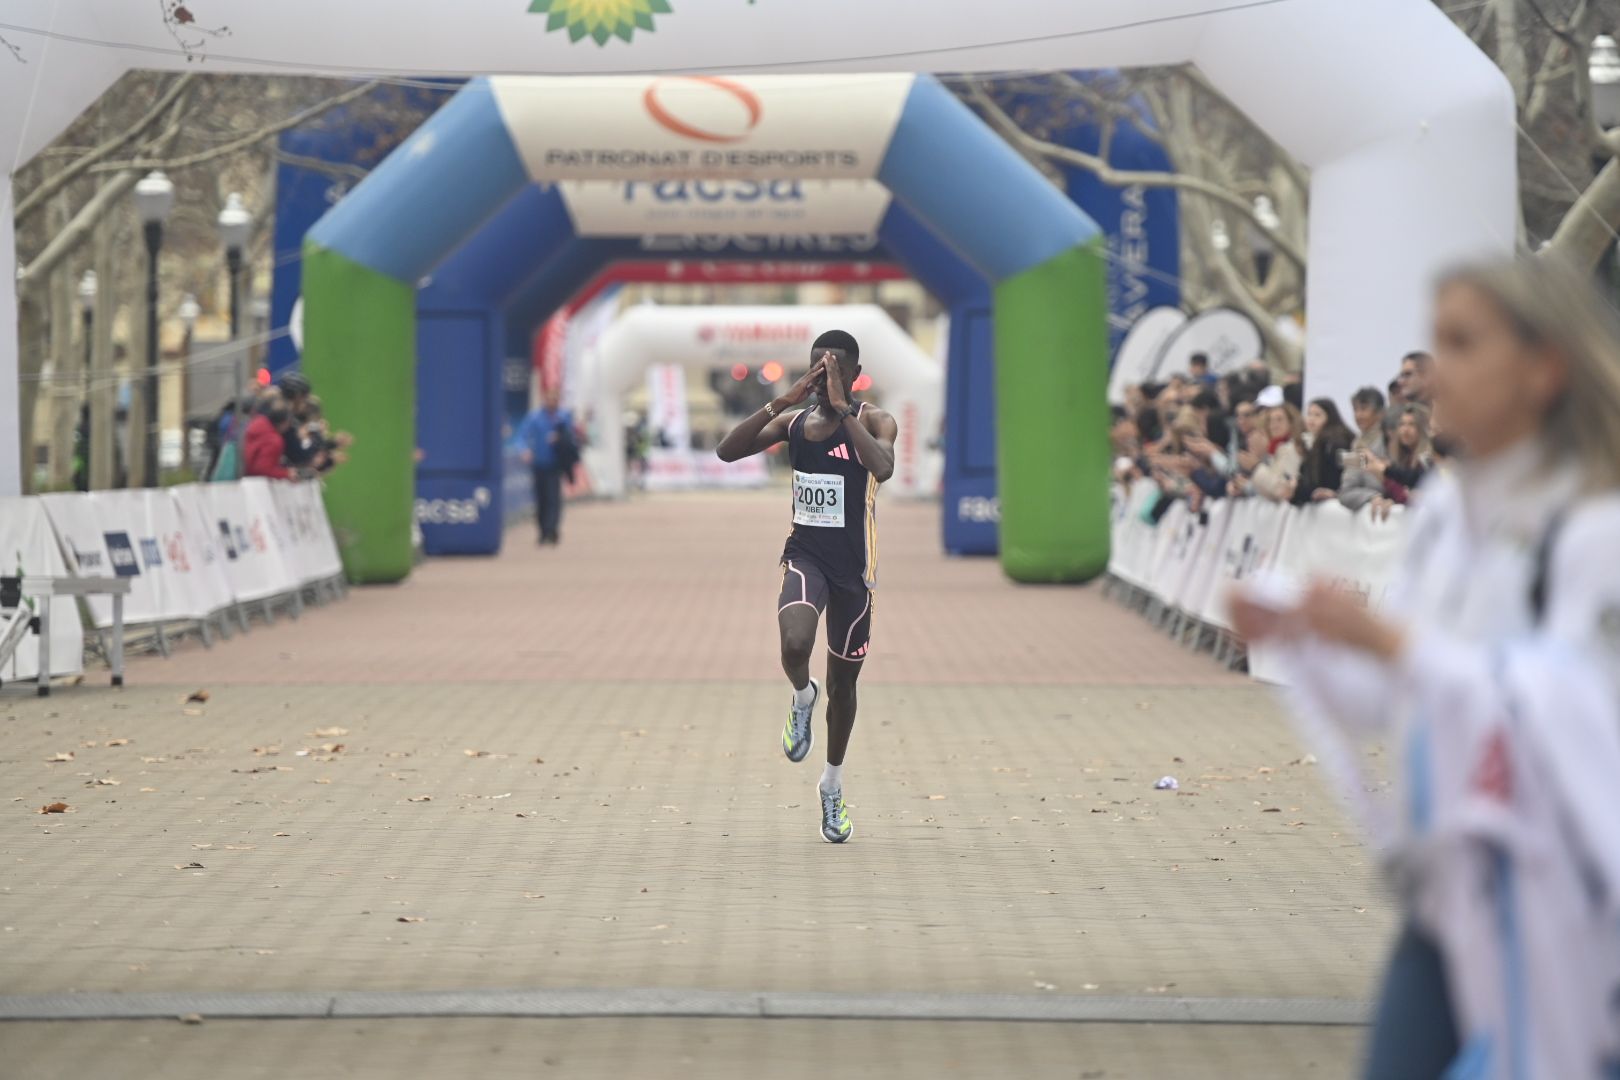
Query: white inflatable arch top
1408, 128
909, 382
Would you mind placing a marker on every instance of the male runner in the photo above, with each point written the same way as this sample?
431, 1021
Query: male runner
840, 453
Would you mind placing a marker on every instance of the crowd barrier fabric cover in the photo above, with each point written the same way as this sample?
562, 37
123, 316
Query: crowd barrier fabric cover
1407, 127
28, 546
188, 552
1189, 562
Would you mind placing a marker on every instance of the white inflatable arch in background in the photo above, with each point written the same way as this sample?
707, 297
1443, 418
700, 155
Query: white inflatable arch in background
909, 383
1407, 127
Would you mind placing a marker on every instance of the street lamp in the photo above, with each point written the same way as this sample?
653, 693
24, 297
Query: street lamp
235, 223
1261, 245
87, 311
154, 198
1604, 69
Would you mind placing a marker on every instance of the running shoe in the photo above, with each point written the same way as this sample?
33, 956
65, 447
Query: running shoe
799, 734
835, 823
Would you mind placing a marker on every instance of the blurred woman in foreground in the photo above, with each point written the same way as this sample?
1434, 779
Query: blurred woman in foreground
1493, 672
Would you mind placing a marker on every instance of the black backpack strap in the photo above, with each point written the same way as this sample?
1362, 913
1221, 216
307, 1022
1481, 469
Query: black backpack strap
1543, 567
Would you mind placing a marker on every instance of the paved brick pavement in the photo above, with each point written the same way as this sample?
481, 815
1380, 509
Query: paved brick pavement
497, 1049
564, 763
684, 587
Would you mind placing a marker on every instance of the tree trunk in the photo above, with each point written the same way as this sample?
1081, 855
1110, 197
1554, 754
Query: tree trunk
61, 393
103, 385
31, 353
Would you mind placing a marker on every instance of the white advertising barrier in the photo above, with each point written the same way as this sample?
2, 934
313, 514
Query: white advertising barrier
684, 470
143, 542
1330, 542
1205, 571
1131, 559
255, 569
204, 543
28, 547
1169, 540
1257, 529
84, 548
312, 549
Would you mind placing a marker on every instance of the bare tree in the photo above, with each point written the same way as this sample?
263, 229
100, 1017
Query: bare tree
1221, 162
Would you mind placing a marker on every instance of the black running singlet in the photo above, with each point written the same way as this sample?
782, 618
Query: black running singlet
834, 507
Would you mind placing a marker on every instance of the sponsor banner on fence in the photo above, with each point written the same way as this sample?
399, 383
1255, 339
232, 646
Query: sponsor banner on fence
682, 470
28, 546
253, 566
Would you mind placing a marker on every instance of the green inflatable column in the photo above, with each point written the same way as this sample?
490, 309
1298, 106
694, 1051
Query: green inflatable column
360, 354
1053, 454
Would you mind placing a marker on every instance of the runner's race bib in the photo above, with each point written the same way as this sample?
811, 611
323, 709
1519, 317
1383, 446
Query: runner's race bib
818, 499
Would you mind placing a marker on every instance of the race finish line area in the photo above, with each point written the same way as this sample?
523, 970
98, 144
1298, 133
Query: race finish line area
549, 785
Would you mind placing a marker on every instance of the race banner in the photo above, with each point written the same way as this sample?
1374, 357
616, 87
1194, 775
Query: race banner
686, 470
28, 546
254, 569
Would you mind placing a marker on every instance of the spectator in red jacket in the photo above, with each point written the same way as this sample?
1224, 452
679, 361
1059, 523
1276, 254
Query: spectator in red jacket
263, 446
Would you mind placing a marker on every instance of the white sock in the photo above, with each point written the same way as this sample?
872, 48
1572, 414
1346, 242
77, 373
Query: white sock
832, 778
805, 694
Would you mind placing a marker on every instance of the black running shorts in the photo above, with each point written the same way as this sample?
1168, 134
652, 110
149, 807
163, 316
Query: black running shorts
849, 611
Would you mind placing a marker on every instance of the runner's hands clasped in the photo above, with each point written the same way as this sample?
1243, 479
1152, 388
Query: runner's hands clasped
801, 389
835, 386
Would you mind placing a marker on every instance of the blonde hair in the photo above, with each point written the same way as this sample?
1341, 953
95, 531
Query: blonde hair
1550, 303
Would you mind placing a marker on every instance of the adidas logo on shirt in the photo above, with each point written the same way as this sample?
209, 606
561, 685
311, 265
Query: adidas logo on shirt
839, 451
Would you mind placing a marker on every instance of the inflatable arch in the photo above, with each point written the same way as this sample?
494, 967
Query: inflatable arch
1407, 127
910, 382
498, 137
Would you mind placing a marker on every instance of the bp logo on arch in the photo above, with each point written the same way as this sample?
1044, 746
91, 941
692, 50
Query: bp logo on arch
601, 20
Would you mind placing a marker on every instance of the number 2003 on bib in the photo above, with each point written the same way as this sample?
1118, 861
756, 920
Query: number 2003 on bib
818, 499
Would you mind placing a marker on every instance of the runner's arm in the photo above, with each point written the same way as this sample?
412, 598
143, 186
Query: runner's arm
768, 426
872, 433
755, 435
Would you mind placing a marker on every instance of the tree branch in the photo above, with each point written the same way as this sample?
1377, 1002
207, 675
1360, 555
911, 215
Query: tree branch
1589, 228
62, 179
1122, 177
253, 138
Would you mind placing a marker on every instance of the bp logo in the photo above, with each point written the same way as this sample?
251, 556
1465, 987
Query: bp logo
600, 19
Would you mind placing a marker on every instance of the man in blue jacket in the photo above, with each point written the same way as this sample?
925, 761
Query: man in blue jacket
550, 449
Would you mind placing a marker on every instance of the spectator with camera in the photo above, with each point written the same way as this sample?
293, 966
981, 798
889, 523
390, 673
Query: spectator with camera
1411, 456
1361, 485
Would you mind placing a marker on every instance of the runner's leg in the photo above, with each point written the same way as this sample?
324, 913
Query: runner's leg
841, 677
798, 606
849, 636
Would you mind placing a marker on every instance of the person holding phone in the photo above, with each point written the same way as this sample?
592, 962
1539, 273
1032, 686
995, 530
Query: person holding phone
840, 451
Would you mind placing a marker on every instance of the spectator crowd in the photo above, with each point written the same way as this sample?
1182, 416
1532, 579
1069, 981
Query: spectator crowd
1200, 437
284, 435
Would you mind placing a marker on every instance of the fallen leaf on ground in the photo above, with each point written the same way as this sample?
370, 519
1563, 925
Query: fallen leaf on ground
410, 918
283, 834
88, 743
117, 742
264, 751
190, 866
329, 732
1045, 985
106, 781
420, 798
148, 789
55, 808
66, 756
476, 753
238, 847
936, 797
265, 952
190, 1018
324, 780
1272, 810
202, 847
332, 748
534, 896
196, 695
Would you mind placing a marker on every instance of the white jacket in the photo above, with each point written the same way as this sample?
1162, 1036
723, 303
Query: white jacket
1505, 830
